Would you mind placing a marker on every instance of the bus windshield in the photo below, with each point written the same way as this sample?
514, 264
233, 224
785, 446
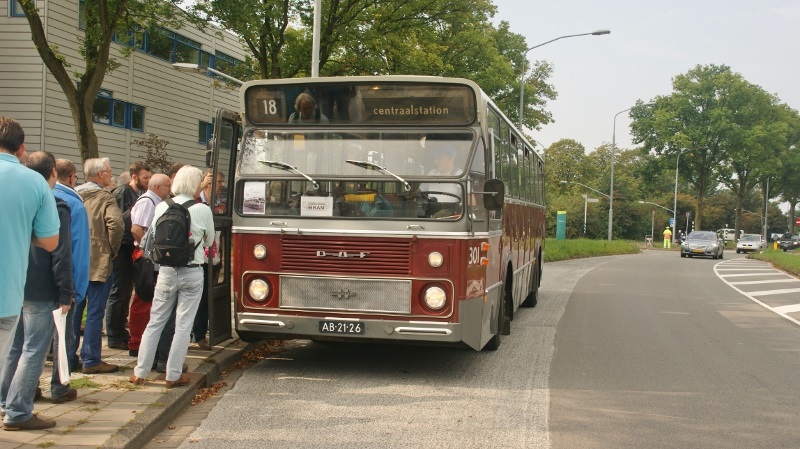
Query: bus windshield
319, 153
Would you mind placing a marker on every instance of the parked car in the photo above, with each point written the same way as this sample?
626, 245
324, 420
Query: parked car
750, 242
789, 241
703, 243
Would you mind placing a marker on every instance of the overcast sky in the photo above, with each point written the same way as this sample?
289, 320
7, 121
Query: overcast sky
650, 43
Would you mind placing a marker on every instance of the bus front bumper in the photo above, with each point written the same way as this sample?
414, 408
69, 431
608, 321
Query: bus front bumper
266, 325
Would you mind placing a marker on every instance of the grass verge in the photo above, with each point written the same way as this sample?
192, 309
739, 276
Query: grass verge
556, 250
786, 261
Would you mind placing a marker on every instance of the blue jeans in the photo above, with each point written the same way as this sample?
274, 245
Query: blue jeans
8, 326
56, 389
96, 298
183, 285
25, 362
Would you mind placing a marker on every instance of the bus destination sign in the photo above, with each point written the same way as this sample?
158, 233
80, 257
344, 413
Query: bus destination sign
363, 104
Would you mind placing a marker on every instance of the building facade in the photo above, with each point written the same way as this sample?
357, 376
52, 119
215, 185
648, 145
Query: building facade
143, 96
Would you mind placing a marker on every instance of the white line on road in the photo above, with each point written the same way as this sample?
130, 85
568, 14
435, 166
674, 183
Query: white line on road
768, 281
781, 310
780, 291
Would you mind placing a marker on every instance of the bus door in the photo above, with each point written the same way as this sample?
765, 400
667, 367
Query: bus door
221, 158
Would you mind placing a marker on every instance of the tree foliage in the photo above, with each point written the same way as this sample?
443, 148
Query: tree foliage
103, 18
368, 37
727, 131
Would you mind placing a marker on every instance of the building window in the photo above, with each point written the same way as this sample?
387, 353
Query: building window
117, 113
225, 63
82, 14
15, 9
204, 132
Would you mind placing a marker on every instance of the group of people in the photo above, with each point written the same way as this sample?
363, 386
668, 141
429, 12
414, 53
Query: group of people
70, 248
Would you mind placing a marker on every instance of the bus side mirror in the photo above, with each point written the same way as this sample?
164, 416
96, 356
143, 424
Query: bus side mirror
493, 194
210, 153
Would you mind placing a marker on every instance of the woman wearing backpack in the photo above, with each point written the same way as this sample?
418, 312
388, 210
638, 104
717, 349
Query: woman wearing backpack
180, 279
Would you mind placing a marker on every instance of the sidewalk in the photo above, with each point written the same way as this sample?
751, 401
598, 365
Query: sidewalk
110, 412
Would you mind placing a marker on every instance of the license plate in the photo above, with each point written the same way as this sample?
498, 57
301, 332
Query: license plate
697, 251
341, 327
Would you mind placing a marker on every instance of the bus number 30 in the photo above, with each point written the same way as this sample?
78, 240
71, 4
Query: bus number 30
474, 255
270, 107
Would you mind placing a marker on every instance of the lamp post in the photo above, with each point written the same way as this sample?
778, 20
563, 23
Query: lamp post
613, 152
585, 186
524, 56
675, 201
196, 68
653, 219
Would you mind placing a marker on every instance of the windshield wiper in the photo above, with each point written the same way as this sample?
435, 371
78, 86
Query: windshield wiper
371, 166
287, 167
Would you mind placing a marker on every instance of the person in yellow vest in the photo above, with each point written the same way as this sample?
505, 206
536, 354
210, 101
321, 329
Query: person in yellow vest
667, 238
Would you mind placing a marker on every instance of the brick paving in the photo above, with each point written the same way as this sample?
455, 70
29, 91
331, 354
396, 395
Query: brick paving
110, 412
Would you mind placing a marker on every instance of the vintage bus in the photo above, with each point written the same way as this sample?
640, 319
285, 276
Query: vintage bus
388, 208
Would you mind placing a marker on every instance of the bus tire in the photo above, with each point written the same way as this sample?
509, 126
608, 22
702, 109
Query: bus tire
533, 294
494, 343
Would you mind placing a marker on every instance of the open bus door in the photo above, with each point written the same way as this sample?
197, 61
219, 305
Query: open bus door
221, 157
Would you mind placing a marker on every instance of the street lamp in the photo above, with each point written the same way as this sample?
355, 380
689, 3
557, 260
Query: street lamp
675, 201
653, 217
613, 151
524, 56
585, 186
196, 68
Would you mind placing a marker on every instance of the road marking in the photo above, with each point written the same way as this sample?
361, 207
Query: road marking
769, 271
777, 273
776, 292
768, 281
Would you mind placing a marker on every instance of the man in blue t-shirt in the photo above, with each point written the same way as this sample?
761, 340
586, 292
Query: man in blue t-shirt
29, 216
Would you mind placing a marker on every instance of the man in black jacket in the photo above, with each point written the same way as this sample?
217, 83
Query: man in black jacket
48, 287
120, 296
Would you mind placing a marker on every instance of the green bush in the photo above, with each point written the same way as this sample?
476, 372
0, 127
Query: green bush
786, 261
556, 250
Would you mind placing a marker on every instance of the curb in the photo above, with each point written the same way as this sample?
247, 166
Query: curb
157, 416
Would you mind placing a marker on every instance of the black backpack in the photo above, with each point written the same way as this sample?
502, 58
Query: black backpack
127, 236
173, 245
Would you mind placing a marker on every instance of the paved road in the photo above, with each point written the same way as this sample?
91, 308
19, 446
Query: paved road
658, 351
382, 396
636, 351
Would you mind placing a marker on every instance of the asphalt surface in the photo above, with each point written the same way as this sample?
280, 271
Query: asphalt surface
331, 395
658, 351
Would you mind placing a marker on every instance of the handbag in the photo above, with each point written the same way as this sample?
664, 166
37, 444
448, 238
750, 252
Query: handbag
144, 270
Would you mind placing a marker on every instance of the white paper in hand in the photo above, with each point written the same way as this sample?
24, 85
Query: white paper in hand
61, 328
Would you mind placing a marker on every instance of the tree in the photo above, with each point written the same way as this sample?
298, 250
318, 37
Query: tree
368, 37
712, 117
104, 18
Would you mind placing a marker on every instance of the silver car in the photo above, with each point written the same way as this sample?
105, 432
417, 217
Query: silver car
750, 242
703, 243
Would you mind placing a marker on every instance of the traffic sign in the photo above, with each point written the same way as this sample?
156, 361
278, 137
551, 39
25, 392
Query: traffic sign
671, 222
797, 221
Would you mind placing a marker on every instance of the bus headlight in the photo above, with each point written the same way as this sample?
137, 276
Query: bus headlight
258, 289
435, 298
435, 259
259, 251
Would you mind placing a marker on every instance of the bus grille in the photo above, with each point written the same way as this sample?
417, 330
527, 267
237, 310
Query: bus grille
312, 255
346, 294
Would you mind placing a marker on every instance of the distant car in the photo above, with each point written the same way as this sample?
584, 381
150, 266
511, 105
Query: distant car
750, 242
703, 243
728, 234
789, 241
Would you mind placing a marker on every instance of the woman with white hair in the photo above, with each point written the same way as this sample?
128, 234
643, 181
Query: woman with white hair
182, 285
